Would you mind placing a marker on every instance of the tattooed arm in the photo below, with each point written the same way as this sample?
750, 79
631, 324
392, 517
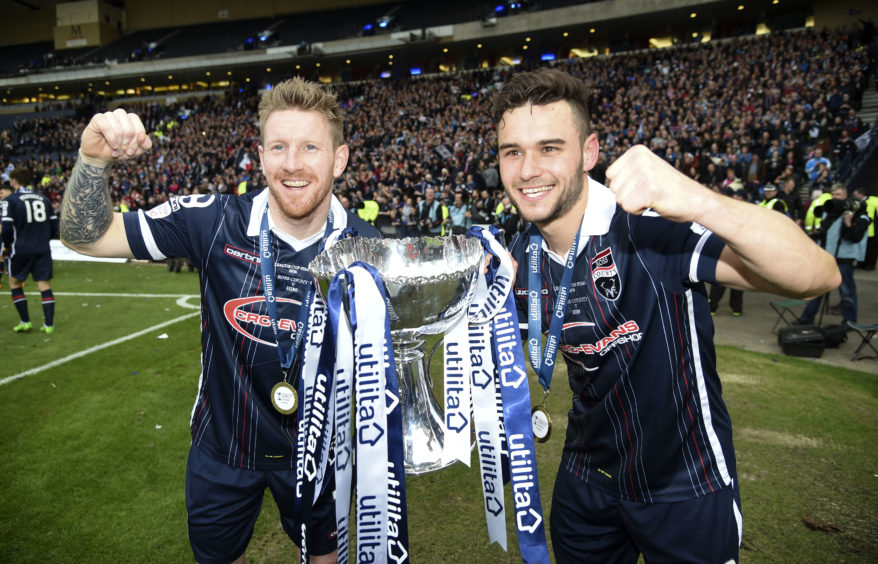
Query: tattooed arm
88, 224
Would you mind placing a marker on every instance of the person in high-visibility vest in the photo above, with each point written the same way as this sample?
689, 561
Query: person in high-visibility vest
872, 242
843, 234
432, 214
369, 211
772, 201
812, 218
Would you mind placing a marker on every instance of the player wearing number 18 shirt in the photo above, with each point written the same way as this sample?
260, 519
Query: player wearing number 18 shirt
29, 223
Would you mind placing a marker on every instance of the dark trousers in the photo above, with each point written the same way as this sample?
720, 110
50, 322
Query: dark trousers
848, 291
871, 254
736, 298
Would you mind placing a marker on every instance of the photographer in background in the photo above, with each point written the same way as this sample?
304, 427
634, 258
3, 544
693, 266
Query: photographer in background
842, 233
871, 204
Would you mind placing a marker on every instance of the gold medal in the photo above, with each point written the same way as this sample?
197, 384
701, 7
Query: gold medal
284, 398
541, 423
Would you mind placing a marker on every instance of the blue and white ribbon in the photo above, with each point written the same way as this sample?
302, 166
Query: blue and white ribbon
316, 412
514, 389
489, 430
382, 528
457, 393
339, 325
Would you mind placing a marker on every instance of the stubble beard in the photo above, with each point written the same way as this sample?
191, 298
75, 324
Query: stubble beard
570, 194
299, 208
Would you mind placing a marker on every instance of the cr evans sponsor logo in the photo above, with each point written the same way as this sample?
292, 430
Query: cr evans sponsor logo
241, 254
242, 320
628, 331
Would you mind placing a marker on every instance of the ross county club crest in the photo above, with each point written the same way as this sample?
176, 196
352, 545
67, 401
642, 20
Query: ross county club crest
605, 276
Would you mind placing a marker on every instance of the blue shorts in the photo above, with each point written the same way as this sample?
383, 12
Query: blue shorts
38, 266
224, 502
588, 525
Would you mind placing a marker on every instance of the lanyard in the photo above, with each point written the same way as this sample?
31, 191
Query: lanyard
266, 264
542, 364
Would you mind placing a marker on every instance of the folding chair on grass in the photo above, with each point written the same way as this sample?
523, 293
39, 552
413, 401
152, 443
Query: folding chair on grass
866, 332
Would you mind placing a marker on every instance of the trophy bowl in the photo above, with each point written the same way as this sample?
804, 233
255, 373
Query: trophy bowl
429, 282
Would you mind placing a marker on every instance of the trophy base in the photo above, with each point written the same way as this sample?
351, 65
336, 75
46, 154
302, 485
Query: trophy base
422, 418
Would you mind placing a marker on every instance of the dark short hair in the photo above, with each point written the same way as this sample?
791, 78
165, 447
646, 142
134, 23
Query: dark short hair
22, 175
542, 87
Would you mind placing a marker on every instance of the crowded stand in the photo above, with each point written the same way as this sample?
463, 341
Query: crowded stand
736, 115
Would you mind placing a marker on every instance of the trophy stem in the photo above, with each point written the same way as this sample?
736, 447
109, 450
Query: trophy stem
422, 418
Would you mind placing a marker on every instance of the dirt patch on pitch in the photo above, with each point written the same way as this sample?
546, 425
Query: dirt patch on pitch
747, 379
777, 438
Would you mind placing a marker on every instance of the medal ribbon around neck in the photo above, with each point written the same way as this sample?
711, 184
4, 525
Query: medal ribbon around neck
266, 264
312, 480
544, 364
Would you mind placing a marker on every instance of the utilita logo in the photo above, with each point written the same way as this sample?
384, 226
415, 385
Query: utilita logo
244, 321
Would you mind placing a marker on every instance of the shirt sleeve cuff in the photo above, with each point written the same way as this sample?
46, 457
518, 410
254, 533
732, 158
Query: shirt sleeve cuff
705, 258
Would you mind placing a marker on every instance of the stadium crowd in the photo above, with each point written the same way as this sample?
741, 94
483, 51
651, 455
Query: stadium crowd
736, 115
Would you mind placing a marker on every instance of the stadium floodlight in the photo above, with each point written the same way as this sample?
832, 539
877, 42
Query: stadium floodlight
547, 57
415, 71
385, 74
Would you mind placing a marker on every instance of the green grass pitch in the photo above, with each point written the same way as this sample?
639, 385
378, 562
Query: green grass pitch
95, 437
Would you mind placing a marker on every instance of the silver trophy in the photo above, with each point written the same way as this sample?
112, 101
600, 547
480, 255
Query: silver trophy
429, 283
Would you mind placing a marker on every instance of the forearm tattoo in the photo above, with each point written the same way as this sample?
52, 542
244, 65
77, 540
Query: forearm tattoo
86, 211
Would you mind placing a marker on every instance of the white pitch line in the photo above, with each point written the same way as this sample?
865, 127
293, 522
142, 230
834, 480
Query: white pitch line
80, 354
112, 295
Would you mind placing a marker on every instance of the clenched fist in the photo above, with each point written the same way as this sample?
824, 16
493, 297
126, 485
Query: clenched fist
642, 180
113, 136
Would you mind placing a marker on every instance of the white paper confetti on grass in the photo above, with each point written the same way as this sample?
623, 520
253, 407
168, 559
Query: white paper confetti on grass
162, 336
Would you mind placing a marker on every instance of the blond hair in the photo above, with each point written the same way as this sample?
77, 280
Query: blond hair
299, 94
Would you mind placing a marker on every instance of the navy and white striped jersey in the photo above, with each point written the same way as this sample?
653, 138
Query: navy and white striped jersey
233, 419
29, 222
648, 421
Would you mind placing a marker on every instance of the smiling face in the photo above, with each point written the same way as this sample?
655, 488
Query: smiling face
300, 162
543, 162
